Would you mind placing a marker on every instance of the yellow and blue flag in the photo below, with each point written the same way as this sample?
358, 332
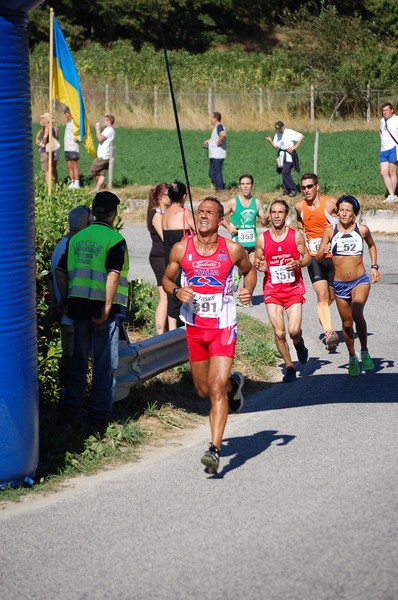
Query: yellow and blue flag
66, 89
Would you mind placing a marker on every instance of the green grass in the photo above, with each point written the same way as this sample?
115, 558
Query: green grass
347, 161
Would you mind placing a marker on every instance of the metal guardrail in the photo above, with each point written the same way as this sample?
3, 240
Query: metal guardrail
143, 360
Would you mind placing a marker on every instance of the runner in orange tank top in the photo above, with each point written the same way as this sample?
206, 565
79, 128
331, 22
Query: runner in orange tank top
315, 212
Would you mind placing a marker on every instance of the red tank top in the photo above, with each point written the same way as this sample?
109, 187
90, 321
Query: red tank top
277, 280
212, 305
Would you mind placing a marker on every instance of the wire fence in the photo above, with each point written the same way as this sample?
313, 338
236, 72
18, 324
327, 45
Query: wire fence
153, 106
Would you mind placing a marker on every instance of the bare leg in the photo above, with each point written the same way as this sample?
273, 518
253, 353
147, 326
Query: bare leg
359, 296
211, 378
344, 308
323, 303
275, 315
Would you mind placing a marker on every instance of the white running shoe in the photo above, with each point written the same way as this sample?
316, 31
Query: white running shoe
390, 199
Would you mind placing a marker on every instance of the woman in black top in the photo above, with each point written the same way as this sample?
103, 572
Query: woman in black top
157, 204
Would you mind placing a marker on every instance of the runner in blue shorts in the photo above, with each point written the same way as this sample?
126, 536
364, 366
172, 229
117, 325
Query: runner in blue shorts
351, 282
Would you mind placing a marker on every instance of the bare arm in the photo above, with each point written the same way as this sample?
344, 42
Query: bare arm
229, 208
101, 138
325, 241
240, 259
259, 261
296, 145
271, 141
157, 223
262, 215
184, 294
367, 236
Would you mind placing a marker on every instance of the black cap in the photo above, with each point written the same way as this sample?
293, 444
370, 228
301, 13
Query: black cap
279, 125
104, 203
66, 109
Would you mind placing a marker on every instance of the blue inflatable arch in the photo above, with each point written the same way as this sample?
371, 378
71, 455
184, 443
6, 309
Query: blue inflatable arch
19, 440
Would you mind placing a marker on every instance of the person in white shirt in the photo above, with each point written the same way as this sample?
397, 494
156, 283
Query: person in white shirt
71, 151
217, 148
287, 141
389, 151
100, 164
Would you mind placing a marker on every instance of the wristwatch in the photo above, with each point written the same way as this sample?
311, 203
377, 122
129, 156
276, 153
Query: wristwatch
375, 267
175, 291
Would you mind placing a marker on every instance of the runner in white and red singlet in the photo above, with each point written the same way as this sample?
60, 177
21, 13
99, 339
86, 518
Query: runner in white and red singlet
209, 311
280, 253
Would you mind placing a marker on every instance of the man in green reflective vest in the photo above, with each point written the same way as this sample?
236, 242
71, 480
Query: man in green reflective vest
92, 276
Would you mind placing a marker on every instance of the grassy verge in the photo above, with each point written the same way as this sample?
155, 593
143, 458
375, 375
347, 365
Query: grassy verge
158, 409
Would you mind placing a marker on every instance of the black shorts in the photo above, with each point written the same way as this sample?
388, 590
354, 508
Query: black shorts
158, 267
71, 155
323, 270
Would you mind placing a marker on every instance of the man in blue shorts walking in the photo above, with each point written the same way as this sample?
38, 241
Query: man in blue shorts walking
389, 151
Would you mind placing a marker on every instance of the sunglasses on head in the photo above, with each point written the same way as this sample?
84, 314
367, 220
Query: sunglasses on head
309, 186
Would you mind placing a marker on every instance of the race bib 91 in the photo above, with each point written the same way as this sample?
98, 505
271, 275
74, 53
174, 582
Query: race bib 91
207, 305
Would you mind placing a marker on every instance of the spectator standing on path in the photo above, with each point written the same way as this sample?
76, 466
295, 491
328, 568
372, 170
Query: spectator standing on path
287, 141
280, 253
78, 218
315, 212
157, 204
100, 165
92, 277
42, 138
217, 148
208, 309
243, 210
389, 151
351, 283
177, 222
71, 151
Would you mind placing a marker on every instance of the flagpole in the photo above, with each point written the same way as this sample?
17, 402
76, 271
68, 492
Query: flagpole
50, 108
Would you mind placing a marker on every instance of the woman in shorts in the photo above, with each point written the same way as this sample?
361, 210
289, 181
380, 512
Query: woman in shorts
351, 284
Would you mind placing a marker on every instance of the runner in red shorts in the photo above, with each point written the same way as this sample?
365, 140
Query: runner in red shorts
209, 311
280, 253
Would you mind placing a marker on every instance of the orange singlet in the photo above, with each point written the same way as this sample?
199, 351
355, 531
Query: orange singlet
315, 222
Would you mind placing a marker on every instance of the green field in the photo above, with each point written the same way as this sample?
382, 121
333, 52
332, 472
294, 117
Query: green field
347, 161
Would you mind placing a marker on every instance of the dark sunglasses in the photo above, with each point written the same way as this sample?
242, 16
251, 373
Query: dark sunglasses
309, 186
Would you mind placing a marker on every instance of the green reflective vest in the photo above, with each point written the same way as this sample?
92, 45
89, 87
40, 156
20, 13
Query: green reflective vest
87, 254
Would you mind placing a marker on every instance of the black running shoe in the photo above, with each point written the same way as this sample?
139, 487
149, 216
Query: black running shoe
302, 352
290, 375
235, 397
211, 459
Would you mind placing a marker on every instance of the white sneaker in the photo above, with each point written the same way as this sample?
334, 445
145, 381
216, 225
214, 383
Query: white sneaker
77, 184
390, 199
71, 185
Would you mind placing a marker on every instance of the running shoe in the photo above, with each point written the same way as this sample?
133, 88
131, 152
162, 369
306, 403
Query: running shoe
235, 396
390, 199
211, 459
290, 375
302, 352
367, 362
331, 340
353, 366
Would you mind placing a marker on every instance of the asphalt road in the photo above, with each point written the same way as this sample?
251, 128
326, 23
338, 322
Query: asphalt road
305, 505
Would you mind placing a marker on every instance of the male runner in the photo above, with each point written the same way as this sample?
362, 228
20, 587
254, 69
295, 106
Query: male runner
314, 213
243, 211
280, 253
209, 311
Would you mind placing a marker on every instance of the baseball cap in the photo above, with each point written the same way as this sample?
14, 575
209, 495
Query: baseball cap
279, 125
104, 203
66, 109
79, 217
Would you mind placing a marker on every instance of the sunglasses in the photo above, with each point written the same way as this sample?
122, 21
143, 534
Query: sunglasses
309, 186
